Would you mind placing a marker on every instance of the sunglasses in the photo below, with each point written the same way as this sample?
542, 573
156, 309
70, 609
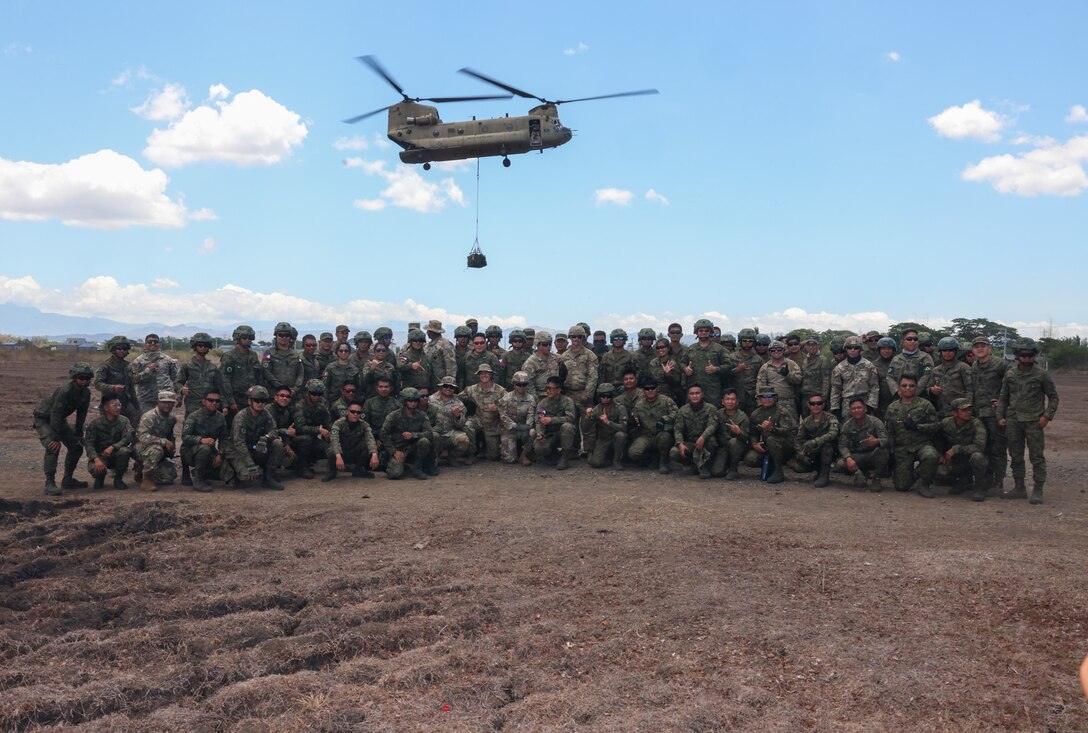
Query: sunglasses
816, 403
213, 400
356, 412
151, 341
257, 401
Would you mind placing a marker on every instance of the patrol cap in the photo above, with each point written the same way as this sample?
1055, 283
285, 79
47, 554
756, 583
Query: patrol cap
485, 367
646, 333
81, 369
315, 386
257, 392
472, 323
167, 395
326, 336
435, 326
871, 335
961, 403
543, 337
282, 327
980, 340
577, 331
529, 333
521, 379
413, 326
363, 336
606, 390
562, 337
342, 327
811, 340
451, 382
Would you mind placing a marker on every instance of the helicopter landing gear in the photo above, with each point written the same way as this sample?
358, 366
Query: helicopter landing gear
426, 166
505, 162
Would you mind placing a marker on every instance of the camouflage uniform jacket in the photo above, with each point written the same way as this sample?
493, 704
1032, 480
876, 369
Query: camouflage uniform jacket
337, 375
200, 377
851, 436
482, 399
515, 360
581, 369
371, 374
311, 367
309, 418
238, 371
988, 379
955, 380
201, 424
442, 356
699, 357
102, 433
882, 366
816, 376
785, 386
446, 422
460, 352
610, 367
399, 422
114, 371
628, 399
283, 368
283, 416
422, 378
693, 423
643, 357
617, 421
746, 380
245, 431
155, 428
515, 410
854, 380
376, 409
1027, 395
561, 410
338, 408
350, 438
150, 383
964, 439
825, 431
782, 425
539, 370
925, 419
65, 400
324, 358
473, 361
740, 419
670, 383
647, 414
915, 365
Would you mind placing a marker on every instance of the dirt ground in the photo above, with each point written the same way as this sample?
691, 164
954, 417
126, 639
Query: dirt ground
505, 598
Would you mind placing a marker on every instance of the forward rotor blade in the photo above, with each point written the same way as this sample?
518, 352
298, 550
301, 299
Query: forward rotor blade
440, 100
360, 118
378, 69
609, 96
499, 84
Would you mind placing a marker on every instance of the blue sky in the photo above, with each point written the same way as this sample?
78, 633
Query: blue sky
833, 165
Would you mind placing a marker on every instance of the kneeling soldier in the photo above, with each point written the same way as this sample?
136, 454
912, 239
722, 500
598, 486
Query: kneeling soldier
108, 442
817, 440
607, 424
352, 444
204, 439
863, 443
155, 442
407, 434
966, 458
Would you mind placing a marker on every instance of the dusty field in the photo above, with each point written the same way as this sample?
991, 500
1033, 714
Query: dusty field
496, 598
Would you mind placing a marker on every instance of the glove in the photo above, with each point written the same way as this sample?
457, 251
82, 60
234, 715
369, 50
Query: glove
909, 423
262, 445
784, 370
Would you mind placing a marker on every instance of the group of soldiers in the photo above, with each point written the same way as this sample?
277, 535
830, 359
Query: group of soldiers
871, 408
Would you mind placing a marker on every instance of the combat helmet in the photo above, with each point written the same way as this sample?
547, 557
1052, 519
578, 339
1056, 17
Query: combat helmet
462, 331
243, 332
646, 333
257, 392
493, 331
948, 343
409, 393
282, 327
517, 333
383, 332
886, 343
1026, 344
703, 323
746, 333
617, 333
199, 338
763, 339
80, 369
118, 342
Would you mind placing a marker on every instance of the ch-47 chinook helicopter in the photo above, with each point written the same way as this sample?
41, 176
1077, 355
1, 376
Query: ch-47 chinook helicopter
425, 137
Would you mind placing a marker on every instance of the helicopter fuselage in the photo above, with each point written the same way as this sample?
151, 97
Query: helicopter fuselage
425, 137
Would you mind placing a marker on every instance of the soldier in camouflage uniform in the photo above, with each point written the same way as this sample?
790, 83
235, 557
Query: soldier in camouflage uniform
198, 375
693, 433
283, 415
793, 349
153, 372
612, 364
772, 430
665, 370
477, 356
282, 364
988, 374
311, 368
676, 333
816, 441
863, 444
706, 364
364, 350
326, 351
912, 422
815, 374
155, 442
51, 425
608, 424
733, 434
378, 368
854, 376
239, 369
375, 410
562, 343
108, 442
461, 337
630, 390
910, 360
653, 415
949, 380
885, 351
440, 351
553, 423
383, 336
352, 443
407, 436
580, 383
871, 341
348, 392
1027, 404
645, 352
255, 448
763, 343
965, 459
452, 431
341, 372
516, 411
204, 439
313, 428
493, 334
113, 377
483, 399
516, 356
747, 369
781, 376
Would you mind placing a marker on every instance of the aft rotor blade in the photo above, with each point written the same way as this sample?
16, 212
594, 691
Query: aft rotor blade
378, 69
609, 96
499, 84
440, 100
353, 120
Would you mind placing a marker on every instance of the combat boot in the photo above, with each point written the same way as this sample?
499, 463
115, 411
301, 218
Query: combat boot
119, 481
925, 490
564, 460
663, 465
186, 477
270, 482
997, 486
148, 484
51, 488
704, 472
525, 459
198, 483
617, 462
875, 485
138, 473
824, 479
958, 487
305, 472
776, 477
330, 471
1036, 494
361, 471
100, 481
859, 479
1019, 491
431, 469
979, 493
68, 482
416, 471
732, 474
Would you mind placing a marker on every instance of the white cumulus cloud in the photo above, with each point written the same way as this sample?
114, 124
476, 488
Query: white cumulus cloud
574, 51
250, 129
653, 195
618, 196
1077, 113
207, 246
218, 91
969, 121
893, 55
1049, 170
102, 190
407, 189
165, 283
164, 105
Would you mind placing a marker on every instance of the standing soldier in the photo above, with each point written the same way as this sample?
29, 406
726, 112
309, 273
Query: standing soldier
516, 410
816, 441
311, 368
477, 356
155, 442
153, 372
414, 367
676, 333
666, 372
852, 376
461, 347
705, 363
51, 425
965, 460
408, 437
949, 380
326, 351
204, 439
612, 364
494, 336
440, 351
282, 364
608, 424
885, 349
872, 344
815, 374
239, 370
516, 356
113, 377
1026, 406
108, 441
693, 433
541, 364
734, 430
364, 350
781, 376
912, 422
989, 373
910, 360
554, 422
198, 375
863, 444
379, 367
747, 369
580, 383
341, 372
645, 352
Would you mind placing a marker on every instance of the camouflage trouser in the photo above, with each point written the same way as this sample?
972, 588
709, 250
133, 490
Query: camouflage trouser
818, 459
200, 458
780, 450
418, 453
643, 447
67, 438
456, 443
157, 463
997, 449
518, 436
491, 434
729, 456
903, 475
973, 464
870, 462
309, 449
582, 400
1031, 434
117, 460
693, 457
553, 440
604, 449
240, 471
